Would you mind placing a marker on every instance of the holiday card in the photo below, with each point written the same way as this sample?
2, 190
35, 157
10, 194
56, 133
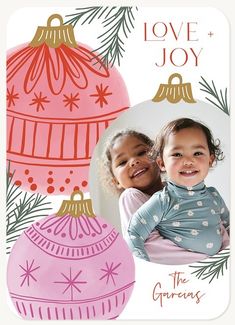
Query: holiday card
118, 163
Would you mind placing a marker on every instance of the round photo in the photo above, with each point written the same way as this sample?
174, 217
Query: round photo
160, 175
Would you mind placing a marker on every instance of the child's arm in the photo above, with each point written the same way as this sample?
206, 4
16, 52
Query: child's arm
142, 224
224, 212
129, 202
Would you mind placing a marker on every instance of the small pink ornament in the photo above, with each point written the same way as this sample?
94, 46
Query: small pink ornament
72, 265
60, 99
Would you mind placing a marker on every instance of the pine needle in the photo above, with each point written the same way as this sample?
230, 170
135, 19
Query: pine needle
118, 22
218, 99
213, 268
22, 209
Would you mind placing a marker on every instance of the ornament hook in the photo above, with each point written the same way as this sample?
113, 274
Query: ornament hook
52, 17
76, 193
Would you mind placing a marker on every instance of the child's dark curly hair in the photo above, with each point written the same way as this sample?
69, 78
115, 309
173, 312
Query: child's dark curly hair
184, 123
105, 163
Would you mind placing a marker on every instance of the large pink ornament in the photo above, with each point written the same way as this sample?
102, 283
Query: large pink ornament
60, 99
74, 266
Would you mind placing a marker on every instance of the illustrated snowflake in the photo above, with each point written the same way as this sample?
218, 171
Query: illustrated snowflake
11, 97
28, 269
109, 272
39, 101
71, 282
71, 101
101, 94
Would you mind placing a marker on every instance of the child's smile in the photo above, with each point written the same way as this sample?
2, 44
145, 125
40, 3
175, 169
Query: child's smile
139, 172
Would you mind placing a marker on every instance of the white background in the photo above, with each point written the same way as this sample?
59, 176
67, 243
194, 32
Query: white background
140, 89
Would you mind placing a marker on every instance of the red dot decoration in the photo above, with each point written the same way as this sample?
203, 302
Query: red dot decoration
50, 189
33, 187
50, 180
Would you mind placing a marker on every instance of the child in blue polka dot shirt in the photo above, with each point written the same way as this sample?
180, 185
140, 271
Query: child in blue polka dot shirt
185, 211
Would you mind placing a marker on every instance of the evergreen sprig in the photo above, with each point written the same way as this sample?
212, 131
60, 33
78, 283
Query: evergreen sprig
22, 209
88, 14
212, 268
219, 99
118, 22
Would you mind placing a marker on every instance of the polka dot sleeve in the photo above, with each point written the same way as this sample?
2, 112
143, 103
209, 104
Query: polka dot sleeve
224, 212
143, 223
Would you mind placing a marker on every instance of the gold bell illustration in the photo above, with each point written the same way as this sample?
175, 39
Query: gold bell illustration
174, 92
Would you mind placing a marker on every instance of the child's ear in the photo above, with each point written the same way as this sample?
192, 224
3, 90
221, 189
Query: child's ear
211, 160
161, 164
115, 183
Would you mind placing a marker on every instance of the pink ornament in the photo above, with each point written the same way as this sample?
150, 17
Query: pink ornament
60, 99
74, 266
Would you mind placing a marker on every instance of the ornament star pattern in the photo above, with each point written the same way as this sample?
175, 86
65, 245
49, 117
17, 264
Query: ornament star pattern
71, 101
39, 100
71, 283
28, 270
109, 272
11, 96
101, 94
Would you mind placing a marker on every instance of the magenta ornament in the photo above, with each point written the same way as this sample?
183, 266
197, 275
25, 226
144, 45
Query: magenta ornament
70, 265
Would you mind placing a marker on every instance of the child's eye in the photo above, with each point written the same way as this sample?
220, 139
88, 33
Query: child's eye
176, 154
142, 152
198, 153
122, 163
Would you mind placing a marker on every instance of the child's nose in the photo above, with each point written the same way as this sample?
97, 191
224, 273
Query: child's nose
134, 161
188, 161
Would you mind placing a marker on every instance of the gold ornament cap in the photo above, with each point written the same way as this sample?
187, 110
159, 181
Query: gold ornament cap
54, 36
175, 92
76, 208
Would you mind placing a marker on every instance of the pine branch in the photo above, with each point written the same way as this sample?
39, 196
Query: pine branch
219, 100
119, 21
88, 14
212, 268
119, 24
22, 209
